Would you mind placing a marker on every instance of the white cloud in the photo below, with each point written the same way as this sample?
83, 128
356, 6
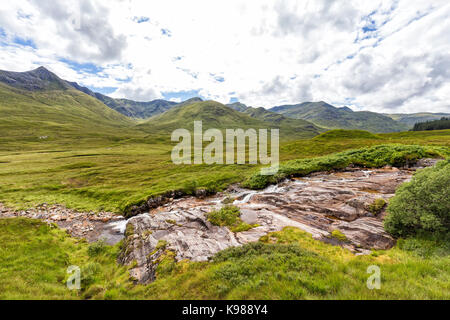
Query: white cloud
379, 55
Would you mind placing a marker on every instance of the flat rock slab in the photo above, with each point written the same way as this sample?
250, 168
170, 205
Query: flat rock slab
92, 226
318, 204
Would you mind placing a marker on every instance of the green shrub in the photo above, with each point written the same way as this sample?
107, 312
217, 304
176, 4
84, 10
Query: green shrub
377, 206
189, 187
229, 216
162, 244
97, 248
89, 274
112, 294
338, 235
426, 246
422, 206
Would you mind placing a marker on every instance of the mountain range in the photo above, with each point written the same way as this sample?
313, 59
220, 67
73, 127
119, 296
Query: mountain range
411, 119
39, 103
31, 94
216, 115
328, 116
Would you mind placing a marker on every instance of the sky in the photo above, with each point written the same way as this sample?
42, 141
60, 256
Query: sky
388, 56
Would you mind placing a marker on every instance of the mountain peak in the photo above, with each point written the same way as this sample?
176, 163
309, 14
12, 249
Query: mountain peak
346, 109
195, 99
189, 101
41, 68
238, 106
44, 74
39, 79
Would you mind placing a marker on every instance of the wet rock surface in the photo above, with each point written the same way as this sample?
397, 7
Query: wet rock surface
318, 204
89, 225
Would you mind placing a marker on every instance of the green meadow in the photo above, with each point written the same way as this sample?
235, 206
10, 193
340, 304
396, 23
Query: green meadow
113, 172
110, 172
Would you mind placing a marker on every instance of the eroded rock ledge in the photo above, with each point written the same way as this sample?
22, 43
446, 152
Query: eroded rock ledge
322, 204
89, 225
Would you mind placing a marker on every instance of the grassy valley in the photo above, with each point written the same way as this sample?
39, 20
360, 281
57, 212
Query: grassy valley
59, 145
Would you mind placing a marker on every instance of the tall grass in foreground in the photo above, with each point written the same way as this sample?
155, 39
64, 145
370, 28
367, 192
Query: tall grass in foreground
285, 265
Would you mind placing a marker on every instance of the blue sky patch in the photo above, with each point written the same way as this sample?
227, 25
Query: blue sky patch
84, 67
369, 28
166, 32
24, 42
141, 19
104, 90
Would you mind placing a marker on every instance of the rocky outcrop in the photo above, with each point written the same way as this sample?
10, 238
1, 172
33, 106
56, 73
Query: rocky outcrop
155, 202
92, 226
321, 204
186, 232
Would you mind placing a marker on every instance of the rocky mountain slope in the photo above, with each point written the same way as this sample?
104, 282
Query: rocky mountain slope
36, 80
130, 108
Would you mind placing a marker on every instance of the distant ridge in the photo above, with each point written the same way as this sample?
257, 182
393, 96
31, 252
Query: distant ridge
321, 114
328, 116
129, 108
411, 119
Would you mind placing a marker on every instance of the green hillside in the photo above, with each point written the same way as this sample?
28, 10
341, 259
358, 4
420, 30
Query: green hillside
328, 116
217, 115
411, 119
293, 126
50, 114
238, 106
442, 124
346, 134
41, 79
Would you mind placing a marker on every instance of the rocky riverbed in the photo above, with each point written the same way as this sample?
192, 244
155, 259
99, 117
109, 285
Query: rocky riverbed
89, 225
335, 207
